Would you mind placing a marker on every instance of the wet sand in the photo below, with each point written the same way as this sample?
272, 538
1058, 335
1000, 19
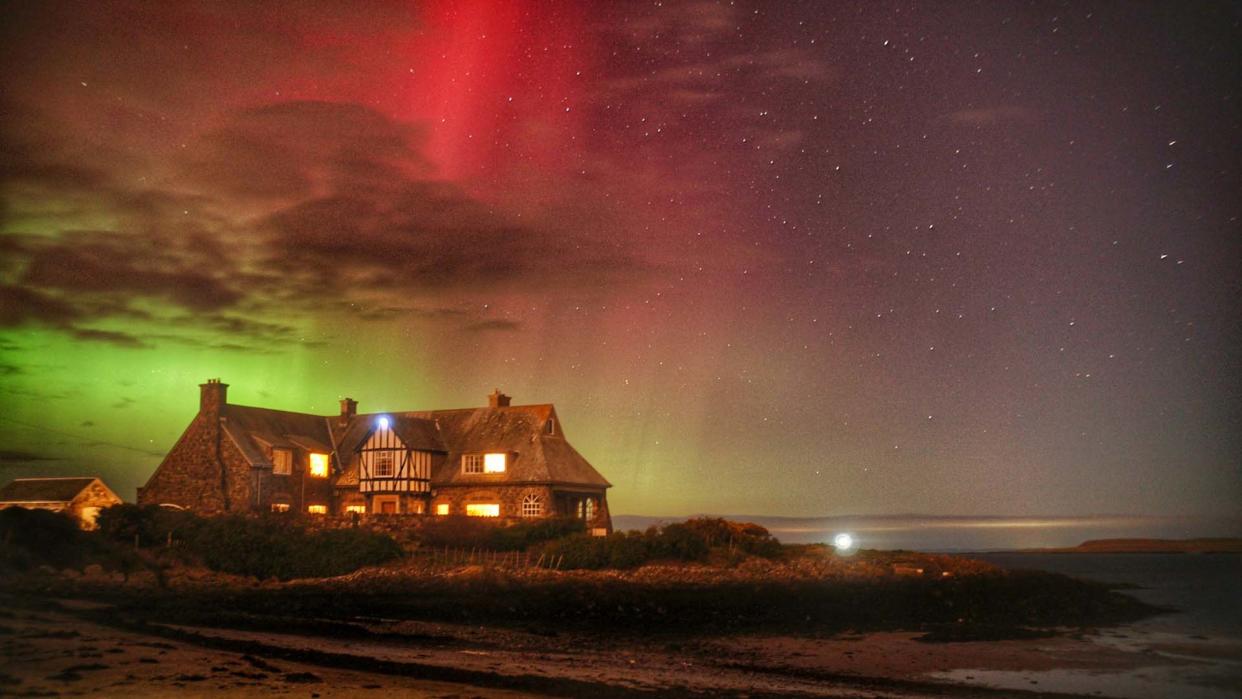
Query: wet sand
59, 651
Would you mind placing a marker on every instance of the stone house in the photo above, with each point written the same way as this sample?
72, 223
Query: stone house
503, 460
81, 498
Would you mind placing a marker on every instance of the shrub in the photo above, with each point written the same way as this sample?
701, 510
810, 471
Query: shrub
30, 538
744, 536
36, 537
279, 547
580, 551
475, 532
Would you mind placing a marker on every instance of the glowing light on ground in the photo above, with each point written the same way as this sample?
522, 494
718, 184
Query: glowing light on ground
843, 542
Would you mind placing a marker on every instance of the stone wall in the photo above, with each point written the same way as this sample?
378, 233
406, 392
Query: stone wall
190, 475
508, 496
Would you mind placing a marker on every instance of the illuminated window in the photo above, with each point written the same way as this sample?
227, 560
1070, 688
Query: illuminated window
319, 465
493, 463
442, 508
476, 509
586, 508
384, 463
360, 509
532, 506
317, 509
280, 507
472, 463
282, 462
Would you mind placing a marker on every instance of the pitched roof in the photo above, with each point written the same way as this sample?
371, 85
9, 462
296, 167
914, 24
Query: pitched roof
248, 427
536, 457
44, 489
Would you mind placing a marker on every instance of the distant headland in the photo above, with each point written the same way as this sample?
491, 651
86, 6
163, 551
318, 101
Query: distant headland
1207, 545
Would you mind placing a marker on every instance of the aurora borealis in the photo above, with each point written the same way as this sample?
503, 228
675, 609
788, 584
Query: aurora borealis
799, 258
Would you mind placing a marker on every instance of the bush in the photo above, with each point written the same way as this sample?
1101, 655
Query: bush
35, 537
149, 524
30, 538
474, 532
279, 547
744, 536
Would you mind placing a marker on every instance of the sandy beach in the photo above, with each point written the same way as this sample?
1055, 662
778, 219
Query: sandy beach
61, 650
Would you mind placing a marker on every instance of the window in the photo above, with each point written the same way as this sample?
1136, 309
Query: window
493, 463
282, 462
384, 465
317, 509
550, 426
360, 509
483, 463
586, 508
532, 506
319, 465
476, 509
280, 507
442, 508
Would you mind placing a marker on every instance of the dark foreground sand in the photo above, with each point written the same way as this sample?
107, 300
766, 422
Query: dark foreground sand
57, 651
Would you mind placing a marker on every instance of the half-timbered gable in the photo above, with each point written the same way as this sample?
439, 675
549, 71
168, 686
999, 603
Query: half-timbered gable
387, 463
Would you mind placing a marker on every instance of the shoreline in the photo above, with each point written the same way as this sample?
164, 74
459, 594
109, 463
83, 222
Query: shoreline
414, 657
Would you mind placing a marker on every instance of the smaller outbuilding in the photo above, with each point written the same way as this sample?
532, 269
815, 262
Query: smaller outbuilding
80, 498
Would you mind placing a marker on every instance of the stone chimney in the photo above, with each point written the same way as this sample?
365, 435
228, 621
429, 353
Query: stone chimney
496, 399
212, 396
349, 408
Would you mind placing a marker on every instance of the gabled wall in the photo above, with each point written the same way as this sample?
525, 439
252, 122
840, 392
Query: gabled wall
204, 472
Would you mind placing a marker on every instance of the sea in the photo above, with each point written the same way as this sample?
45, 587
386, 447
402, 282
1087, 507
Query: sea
1195, 649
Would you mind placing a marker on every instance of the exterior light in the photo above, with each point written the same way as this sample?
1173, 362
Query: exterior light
844, 542
383, 422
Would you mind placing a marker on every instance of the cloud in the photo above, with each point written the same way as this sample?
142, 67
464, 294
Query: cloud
15, 456
288, 208
992, 116
495, 324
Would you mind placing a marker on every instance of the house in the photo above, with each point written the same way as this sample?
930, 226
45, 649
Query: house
502, 460
81, 498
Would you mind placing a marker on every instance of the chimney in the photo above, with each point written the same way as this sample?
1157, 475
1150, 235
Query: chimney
496, 399
212, 396
349, 408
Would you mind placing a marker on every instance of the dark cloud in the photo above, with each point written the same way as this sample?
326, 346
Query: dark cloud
15, 456
290, 150
495, 324
294, 206
126, 265
20, 305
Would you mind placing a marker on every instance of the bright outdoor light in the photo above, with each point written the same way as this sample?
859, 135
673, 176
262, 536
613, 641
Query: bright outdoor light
383, 423
843, 542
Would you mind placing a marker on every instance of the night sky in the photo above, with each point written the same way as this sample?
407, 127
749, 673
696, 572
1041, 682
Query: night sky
777, 258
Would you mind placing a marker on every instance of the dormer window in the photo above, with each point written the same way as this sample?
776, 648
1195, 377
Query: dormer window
282, 462
319, 465
494, 462
549, 427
